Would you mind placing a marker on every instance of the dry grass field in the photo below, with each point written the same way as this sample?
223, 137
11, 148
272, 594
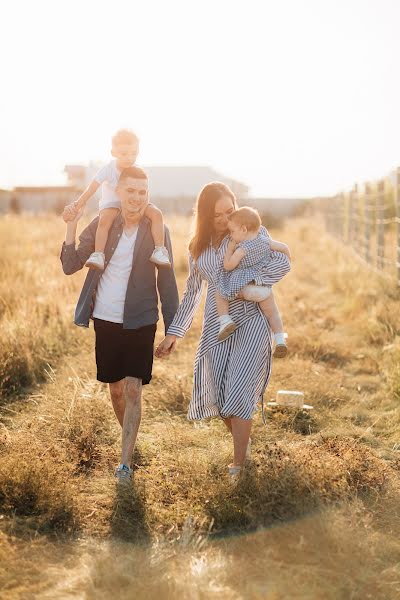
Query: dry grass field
316, 514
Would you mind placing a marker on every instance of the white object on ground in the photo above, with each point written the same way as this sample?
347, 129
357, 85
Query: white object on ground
290, 399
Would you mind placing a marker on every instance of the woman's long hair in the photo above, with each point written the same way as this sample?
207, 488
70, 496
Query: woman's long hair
204, 215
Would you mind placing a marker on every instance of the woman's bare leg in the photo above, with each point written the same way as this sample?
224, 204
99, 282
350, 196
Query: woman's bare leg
228, 423
241, 429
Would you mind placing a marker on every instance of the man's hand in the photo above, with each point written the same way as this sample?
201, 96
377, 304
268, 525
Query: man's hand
167, 346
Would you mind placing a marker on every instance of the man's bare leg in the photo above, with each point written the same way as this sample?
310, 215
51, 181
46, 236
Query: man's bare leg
117, 394
132, 417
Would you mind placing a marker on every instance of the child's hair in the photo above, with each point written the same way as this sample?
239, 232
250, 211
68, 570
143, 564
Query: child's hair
247, 216
134, 172
124, 136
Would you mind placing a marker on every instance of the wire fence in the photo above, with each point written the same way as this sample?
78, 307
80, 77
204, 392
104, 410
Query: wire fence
367, 218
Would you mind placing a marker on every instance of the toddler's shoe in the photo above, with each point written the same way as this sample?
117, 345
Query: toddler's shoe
280, 351
160, 256
255, 293
227, 326
96, 261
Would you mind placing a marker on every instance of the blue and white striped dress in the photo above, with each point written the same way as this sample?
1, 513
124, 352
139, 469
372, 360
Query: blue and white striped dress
229, 376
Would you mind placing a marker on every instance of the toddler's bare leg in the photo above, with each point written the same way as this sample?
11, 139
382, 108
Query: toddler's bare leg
157, 224
271, 311
107, 216
222, 305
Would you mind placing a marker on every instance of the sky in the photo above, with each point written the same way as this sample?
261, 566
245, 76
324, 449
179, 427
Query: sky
292, 97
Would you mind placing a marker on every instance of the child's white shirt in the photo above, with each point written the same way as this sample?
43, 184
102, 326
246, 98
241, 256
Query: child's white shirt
108, 178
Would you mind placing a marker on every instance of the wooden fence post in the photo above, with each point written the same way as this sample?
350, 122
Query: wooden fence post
397, 204
367, 223
350, 217
345, 217
380, 240
356, 220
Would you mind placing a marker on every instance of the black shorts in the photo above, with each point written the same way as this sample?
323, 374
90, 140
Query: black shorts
123, 352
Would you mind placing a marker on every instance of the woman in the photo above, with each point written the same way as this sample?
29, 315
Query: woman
229, 376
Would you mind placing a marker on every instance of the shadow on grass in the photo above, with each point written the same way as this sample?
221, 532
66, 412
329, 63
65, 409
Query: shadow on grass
287, 482
129, 518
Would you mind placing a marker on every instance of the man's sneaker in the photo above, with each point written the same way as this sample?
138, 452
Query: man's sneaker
123, 474
226, 328
280, 351
160, 256
96, 261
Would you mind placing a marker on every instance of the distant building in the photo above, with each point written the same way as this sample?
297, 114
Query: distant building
44, 198
5, 199
277, 207
172, 188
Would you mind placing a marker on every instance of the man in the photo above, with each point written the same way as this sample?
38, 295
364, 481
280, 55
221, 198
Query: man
123, 303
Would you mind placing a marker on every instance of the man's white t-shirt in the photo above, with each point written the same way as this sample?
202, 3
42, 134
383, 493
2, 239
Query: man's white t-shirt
111, 289
108, 177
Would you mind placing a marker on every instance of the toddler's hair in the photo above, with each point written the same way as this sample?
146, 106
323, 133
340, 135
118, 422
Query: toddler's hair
124, 136
247, 216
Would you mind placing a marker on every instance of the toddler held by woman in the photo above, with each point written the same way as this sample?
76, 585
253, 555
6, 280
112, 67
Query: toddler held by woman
248, 252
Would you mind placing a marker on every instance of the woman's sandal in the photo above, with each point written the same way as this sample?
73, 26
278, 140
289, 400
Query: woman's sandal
234, 472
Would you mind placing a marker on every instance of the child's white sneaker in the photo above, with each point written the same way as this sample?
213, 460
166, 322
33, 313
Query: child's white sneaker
280, 351
227, 326
160, 256
281, 348
96, 261
255, 293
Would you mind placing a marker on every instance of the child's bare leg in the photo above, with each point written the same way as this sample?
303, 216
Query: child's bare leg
271, 311
222, 305
106, 219
226, 323
160, 255
157, 224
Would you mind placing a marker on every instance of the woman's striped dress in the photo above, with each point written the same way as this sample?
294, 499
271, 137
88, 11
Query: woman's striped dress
229, 376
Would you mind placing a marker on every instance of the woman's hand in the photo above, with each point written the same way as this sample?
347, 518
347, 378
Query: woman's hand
280, 247
167, 346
